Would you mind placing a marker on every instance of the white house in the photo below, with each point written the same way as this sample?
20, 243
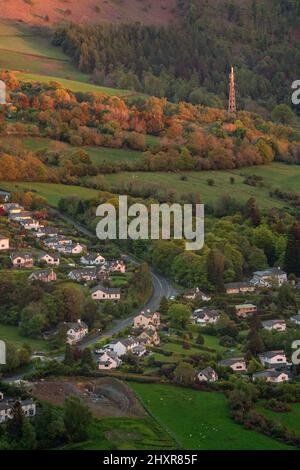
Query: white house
237, 364
106, 293
274, 325
204, 317
52, 259
273, 359
122, 346
4, 243
76, 332
269, 278
271, 376
30, 224
207, 375
117, 267
92, 259
108, 360
22, 260
6, 408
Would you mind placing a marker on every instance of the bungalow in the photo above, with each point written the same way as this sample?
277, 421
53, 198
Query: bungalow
106, 293
22, 260
239, 288
4, 243
122, 346
76, 332
143, 320
269, 278
149, 336
296, 319
46, 275
245, 310
273, 359
92, 259
196, 293
52, 259
71, 249
271, 376
204, 317
6, 409
117, 267
237, 364
207, 375
274, 325
108, 361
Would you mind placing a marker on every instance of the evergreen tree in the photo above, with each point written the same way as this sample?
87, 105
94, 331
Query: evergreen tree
215, 269
292, 254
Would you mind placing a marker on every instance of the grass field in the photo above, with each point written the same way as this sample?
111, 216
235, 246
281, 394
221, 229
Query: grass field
276, 175
125, 434
200, 420
10, 334
69, 84
21, 50
52, 192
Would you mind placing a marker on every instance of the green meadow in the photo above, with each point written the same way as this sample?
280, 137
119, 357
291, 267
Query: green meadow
290, 419
200, 420
11, 334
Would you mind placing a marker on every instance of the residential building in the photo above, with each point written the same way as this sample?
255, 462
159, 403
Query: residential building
108, 360
272, 376
106, 293
52, 259
30, 224
83, 275
239, 288
4, 243
274, 325
273, 359
76, 332
207, 375
45, 275
149, 336
237, 364
92, 259
122, 346
22, 260
272, 277
117, 267
204, 317
6, 408
245, 310
196, 293
144, 319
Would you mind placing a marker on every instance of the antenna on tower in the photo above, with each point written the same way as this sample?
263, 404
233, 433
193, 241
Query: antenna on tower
232, 100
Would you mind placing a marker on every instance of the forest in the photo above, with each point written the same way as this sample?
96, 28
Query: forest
190, 60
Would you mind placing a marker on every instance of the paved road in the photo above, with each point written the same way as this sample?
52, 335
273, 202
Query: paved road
161, 287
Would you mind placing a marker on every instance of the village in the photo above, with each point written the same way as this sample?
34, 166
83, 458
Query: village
196, 337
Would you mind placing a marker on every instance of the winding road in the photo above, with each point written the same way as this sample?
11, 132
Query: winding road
162, 287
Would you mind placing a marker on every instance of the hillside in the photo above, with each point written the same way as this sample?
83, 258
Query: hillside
93, 11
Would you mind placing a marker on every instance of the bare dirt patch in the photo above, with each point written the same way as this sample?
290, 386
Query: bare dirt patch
105, 396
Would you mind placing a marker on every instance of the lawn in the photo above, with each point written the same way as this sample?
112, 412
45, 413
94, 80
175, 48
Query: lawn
10, 334
52, 192
125, 434
200, 420
73, 85
21, 50
276, 176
